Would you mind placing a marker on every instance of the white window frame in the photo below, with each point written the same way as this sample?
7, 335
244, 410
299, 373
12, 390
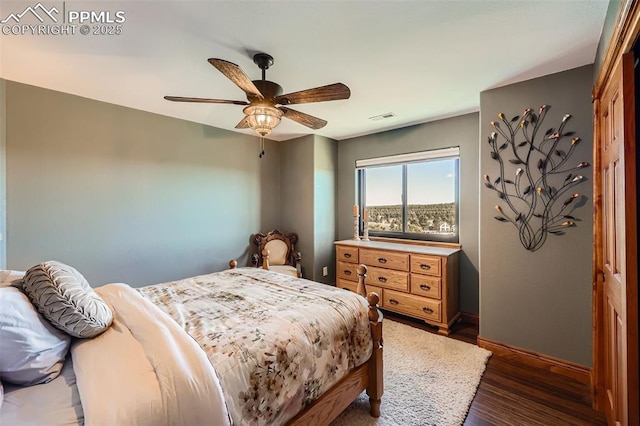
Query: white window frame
405, 159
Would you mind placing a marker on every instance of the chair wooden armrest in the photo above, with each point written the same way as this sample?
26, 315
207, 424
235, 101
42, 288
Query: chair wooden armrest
297, 263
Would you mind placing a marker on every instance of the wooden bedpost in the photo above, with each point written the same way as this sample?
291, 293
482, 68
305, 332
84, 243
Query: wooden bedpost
361, 289
265, 259
233, 264
375, 386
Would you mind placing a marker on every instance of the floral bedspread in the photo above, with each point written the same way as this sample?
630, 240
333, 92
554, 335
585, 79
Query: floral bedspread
276, 342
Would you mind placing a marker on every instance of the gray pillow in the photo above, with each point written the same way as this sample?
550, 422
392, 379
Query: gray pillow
66, 299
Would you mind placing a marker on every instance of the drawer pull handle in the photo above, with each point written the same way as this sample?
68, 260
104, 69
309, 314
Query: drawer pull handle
347, 272
347, 255
425, 266
345, 288
427, 310
382, 260
382, 279
393, 301
425, 287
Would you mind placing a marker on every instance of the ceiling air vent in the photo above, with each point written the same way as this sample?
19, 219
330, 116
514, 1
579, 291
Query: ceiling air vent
382, 116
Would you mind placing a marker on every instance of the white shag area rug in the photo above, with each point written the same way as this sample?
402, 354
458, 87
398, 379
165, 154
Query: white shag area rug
428, 380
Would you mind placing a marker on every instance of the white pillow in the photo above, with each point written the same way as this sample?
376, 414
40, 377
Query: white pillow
32, 350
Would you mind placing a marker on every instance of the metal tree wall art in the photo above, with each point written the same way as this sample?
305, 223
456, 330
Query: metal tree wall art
538, 197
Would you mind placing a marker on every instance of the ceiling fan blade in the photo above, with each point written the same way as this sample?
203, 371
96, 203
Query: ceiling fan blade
304, 119
235, 74
331, 92
243, 124
204, 100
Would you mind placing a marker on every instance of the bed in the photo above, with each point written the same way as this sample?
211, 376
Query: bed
241, 346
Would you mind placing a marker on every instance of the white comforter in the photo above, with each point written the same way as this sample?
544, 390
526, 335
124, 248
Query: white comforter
163, 377
144, 370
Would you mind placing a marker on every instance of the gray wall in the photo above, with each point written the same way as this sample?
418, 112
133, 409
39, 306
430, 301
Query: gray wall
605, 37
125, 195
325, 185
297, 196
458, 131
308, 188
540, 301
3, 193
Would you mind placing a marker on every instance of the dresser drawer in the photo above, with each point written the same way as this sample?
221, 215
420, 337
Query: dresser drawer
347, 285
414, 306
424, 285
351, 286
385, 259
424, 264
347, 254
348, 271
387, 278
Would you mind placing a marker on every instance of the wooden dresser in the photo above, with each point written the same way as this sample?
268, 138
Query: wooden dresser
417, 280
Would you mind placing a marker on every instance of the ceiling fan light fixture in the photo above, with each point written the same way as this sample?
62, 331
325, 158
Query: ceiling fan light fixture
262, 118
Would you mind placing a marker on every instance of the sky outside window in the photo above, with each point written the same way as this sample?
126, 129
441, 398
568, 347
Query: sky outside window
384, 186
431, 182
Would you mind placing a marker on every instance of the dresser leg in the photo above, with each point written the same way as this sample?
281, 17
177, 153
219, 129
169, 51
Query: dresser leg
443, 331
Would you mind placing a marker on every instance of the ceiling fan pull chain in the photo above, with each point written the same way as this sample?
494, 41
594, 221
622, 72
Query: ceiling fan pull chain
261, 147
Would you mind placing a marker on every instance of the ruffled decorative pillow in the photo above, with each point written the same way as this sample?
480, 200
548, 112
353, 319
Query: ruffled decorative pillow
32, 351
66, 299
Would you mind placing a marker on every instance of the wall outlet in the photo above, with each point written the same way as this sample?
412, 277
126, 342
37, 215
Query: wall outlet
325, 271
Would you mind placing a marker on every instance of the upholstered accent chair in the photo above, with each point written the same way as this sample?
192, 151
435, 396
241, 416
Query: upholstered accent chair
276, 253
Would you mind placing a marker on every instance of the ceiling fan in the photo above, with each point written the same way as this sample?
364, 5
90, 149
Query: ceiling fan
262, 112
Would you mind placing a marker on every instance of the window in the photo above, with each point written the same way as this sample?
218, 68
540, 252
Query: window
411, 195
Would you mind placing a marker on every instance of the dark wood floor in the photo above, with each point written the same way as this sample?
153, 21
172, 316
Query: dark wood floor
512, 393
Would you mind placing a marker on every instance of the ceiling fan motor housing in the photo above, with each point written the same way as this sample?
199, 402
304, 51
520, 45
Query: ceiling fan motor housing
269, 90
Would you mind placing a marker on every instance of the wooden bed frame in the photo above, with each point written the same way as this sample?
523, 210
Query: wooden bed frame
368, 376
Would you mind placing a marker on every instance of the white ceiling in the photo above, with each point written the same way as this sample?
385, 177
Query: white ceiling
421, 60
